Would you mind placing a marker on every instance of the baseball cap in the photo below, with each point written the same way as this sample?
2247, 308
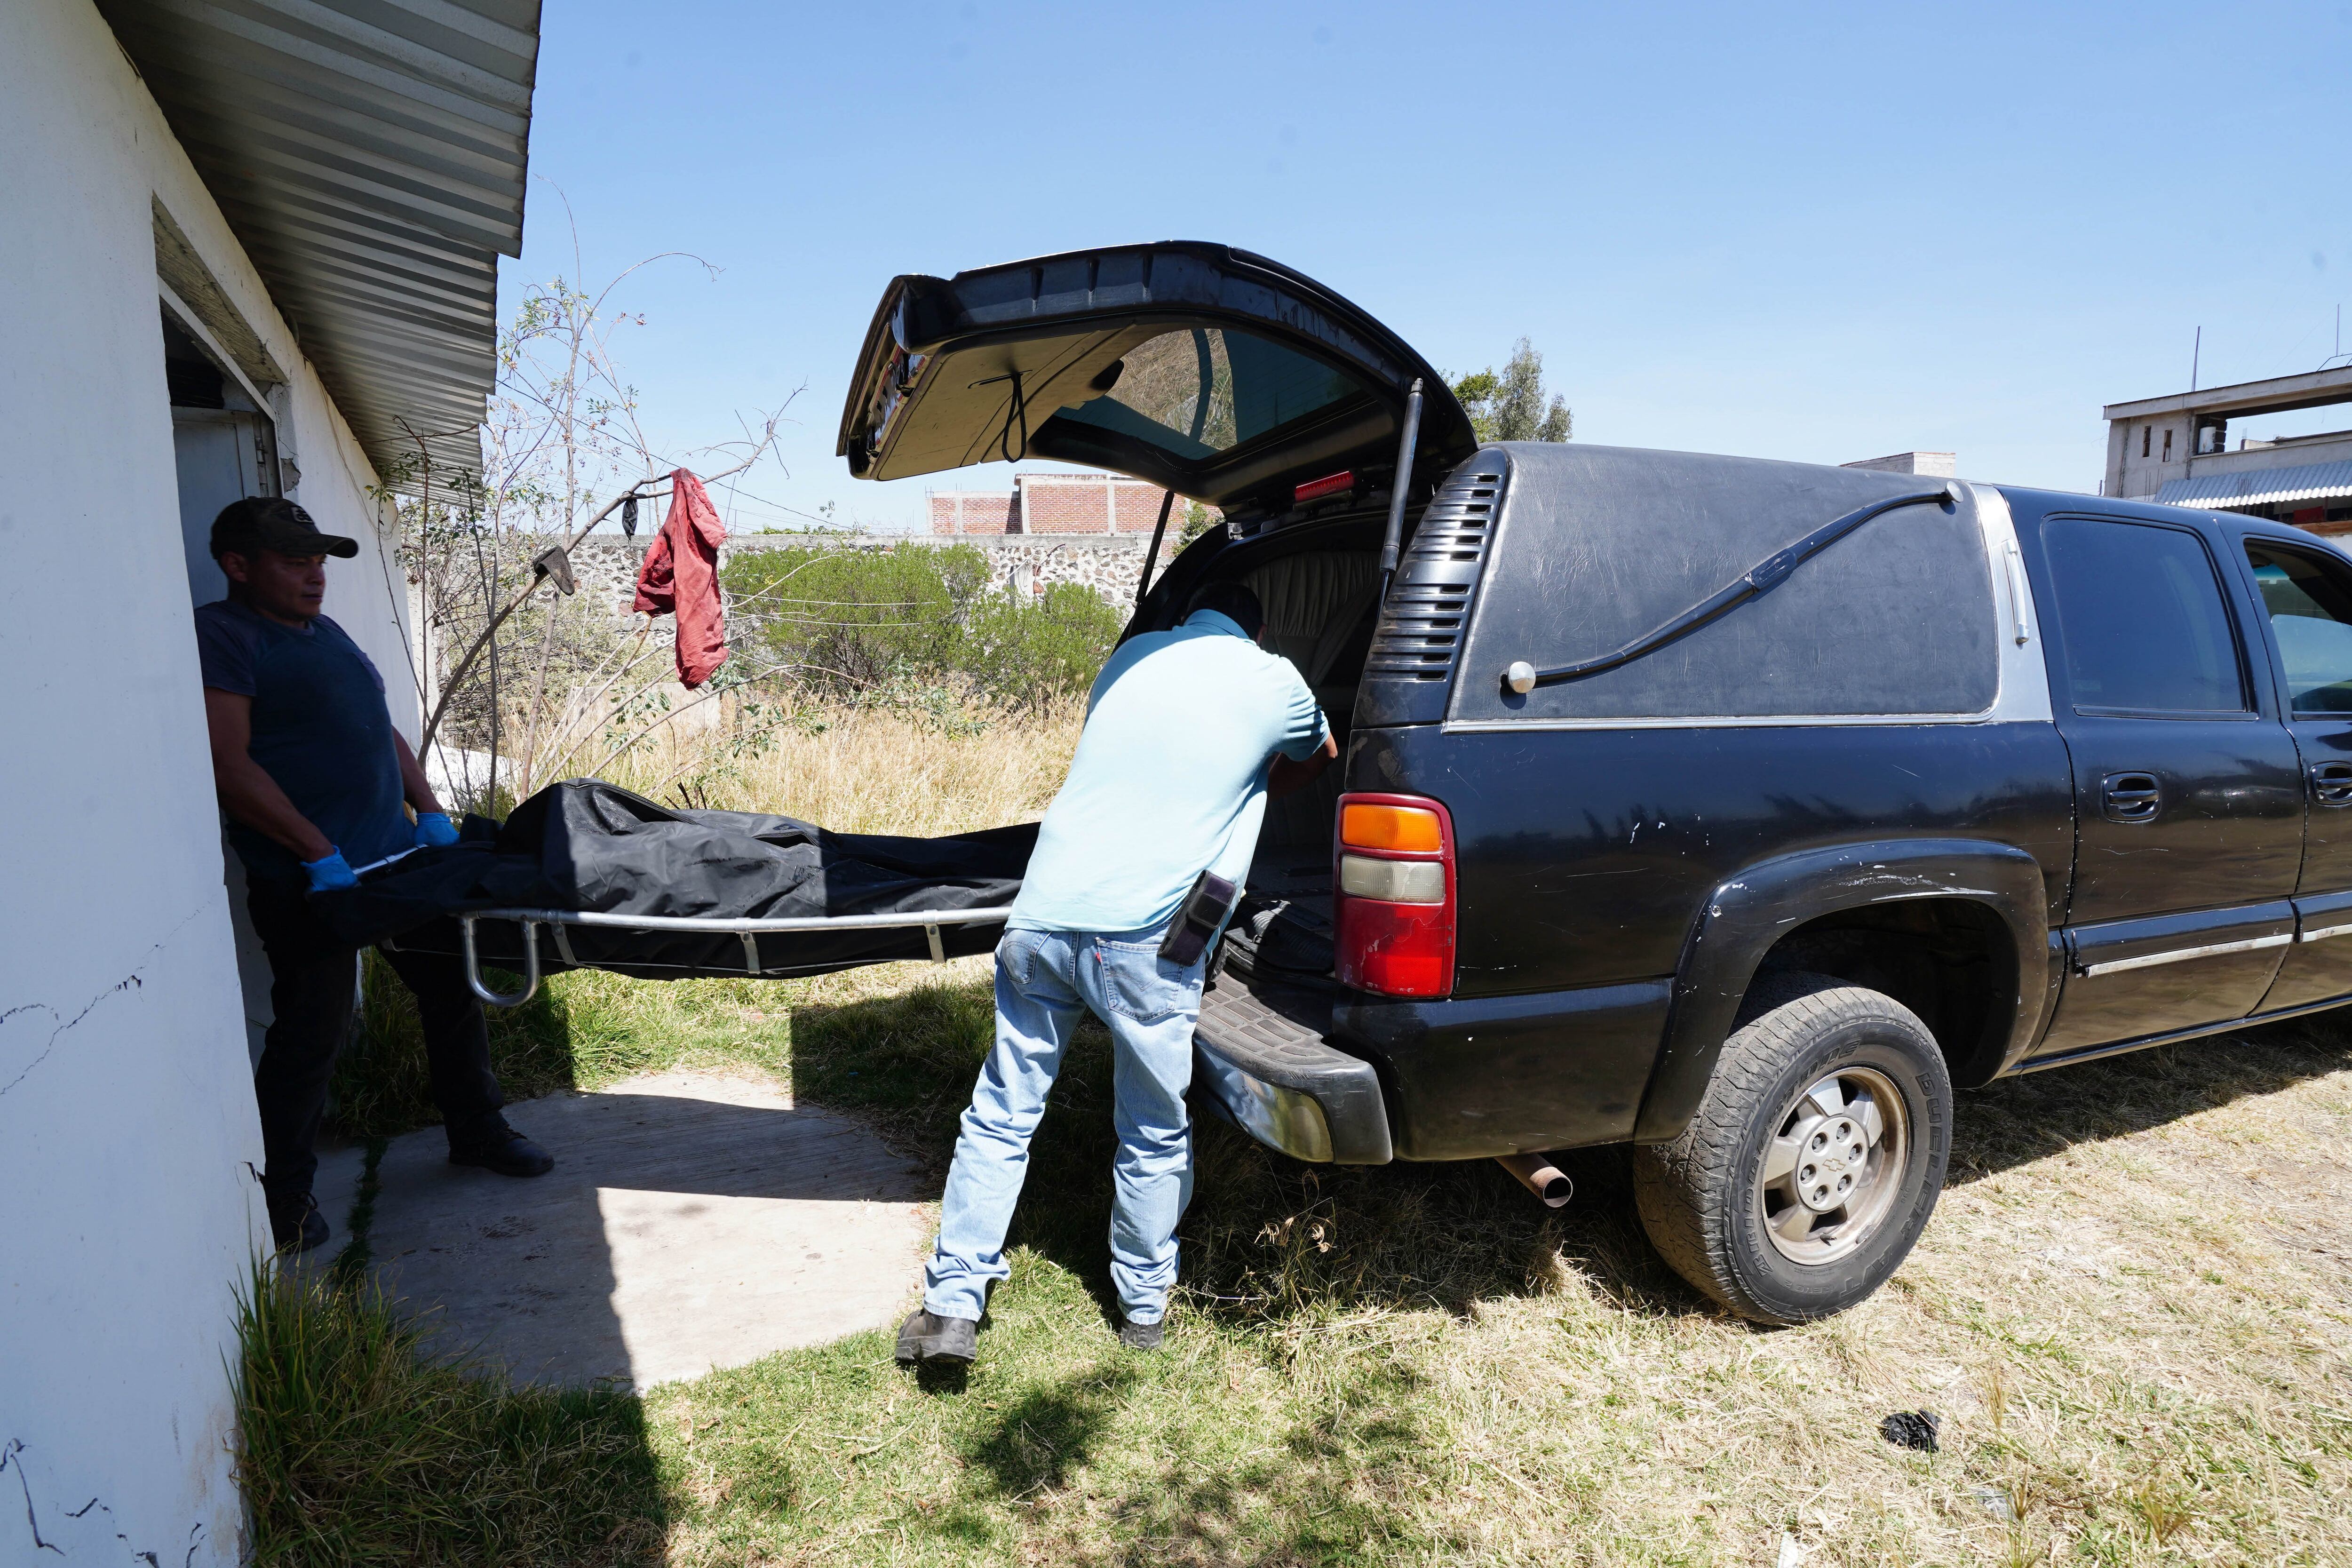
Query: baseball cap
273, 522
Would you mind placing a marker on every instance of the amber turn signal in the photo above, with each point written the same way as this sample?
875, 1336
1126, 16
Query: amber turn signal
1406, 828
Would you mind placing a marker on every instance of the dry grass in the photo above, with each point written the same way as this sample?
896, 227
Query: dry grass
868, 771
2132, 1313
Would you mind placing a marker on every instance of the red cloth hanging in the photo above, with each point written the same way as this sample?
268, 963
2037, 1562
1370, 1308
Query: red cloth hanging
681, 578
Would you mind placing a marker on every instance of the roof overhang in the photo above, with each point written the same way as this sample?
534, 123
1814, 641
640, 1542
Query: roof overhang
370, 156
2279, 394
2260, 487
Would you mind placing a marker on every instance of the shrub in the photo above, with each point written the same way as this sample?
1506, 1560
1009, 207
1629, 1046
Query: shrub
860, 623
1033, 655
846, 621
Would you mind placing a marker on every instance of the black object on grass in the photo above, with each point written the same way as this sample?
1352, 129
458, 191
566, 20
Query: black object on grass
1911, 1429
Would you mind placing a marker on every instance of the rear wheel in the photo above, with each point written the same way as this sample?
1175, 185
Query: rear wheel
1815, 1159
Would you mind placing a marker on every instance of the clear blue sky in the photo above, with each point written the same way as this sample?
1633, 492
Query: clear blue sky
1781, 231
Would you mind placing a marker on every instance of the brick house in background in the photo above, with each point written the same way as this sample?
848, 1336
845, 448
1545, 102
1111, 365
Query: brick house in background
1055, 503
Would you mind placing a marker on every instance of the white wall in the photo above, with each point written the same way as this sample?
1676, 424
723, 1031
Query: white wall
128, 1213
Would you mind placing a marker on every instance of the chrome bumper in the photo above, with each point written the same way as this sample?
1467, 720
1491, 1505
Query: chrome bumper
1264, 1058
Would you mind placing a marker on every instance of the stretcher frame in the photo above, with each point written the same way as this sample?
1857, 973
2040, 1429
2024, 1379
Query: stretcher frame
559, 921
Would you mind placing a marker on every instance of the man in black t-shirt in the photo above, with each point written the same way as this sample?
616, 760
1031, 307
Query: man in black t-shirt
315, 781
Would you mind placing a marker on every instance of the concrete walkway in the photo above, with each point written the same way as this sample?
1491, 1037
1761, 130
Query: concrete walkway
692, 1221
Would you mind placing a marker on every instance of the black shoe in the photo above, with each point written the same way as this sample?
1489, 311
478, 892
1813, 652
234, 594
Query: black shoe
928, 1337
295, 1222
502, 1150
1138, 1336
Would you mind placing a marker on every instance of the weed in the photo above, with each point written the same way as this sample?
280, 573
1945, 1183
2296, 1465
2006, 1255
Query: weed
357, 1448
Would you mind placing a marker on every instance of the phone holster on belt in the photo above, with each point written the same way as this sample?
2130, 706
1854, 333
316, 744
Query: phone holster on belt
1199, 918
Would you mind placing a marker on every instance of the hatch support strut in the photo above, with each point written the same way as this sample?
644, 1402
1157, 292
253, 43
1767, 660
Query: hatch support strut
1406, 440
1151, 556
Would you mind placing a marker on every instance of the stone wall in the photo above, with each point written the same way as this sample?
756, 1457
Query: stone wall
606, 567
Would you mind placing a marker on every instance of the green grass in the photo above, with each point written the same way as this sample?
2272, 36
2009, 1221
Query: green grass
2132, 1312
581, 1031
355, 1448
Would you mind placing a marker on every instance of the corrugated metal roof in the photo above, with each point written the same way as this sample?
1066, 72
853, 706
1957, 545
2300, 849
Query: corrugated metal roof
2262, 486
370, 155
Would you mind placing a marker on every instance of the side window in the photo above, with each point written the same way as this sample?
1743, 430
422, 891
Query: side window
2310, 606
2144, 626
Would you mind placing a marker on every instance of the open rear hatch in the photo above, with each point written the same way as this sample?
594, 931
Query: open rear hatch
1232, 379
1221, 375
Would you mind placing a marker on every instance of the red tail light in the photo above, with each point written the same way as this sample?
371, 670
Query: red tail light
1393, 894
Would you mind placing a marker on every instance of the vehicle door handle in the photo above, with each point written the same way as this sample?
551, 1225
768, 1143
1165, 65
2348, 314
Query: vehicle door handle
2130, 797
2331, 783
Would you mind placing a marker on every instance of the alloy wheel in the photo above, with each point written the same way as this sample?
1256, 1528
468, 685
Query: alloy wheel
1834, 1165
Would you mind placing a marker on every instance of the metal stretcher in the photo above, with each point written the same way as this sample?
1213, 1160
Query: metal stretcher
560, 922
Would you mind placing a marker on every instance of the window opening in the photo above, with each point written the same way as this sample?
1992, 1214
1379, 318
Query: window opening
2144, 621
2147, 434
2310, 610
2168, 445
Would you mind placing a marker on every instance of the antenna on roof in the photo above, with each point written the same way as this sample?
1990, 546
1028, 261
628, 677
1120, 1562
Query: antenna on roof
2196, 352
2330, 362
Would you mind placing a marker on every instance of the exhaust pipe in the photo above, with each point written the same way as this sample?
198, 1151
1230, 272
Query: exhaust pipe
1540, 1176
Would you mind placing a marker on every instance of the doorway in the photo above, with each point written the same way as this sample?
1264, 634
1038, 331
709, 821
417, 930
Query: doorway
224, 447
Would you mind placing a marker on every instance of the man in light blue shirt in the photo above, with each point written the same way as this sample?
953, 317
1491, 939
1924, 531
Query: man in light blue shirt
1171, 778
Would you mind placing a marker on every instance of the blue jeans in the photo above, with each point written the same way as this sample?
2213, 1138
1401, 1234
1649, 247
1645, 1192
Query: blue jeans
1045, 978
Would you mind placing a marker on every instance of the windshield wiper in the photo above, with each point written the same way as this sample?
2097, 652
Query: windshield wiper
1767, 575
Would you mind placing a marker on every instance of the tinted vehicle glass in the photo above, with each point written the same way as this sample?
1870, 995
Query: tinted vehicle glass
1202, 390
2311, 616
1597, 546
2141, 610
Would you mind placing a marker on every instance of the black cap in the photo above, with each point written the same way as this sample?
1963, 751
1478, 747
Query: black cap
273, 522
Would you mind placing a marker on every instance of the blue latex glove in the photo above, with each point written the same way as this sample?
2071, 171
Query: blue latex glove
330, 871
435, 830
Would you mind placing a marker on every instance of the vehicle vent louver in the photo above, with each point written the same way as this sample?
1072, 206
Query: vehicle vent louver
1422, 621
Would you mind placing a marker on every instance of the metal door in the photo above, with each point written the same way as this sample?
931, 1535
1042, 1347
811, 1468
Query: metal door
2188, 789
216, 453
2302, 592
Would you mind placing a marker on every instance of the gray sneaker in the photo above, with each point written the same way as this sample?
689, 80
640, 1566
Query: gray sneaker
1138, 1336
928, 1337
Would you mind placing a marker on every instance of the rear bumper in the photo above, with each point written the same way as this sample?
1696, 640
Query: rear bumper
1262, 1054
1474, 1076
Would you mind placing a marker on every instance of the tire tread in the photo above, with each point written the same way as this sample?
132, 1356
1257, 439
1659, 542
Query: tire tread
1673, 1180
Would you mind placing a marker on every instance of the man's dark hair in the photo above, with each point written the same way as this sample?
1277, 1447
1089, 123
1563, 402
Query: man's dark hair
1235, 601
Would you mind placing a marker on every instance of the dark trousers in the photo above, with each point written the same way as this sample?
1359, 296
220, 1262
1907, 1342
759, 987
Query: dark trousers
312, 985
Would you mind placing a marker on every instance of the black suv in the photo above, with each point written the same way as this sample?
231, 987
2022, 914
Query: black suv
1734, 810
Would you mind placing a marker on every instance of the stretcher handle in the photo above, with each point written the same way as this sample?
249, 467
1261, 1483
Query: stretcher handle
474, 964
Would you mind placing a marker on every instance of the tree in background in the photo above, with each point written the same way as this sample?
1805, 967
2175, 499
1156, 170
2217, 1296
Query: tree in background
500, 667
1511, 407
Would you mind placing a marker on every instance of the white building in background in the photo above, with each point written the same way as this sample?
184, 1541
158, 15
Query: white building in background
2179, 450
249, 247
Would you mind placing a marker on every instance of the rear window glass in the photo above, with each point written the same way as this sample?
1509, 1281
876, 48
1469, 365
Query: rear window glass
2141, 614
1598, 548
1199, 391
